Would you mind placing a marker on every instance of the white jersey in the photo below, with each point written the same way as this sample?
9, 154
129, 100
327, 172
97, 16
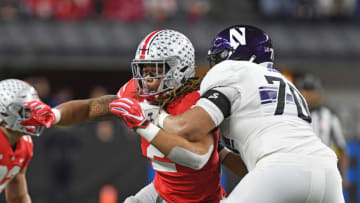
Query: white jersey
259, 112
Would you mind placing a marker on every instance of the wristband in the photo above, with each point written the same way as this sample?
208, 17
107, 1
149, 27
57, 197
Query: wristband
162, 116
57, 115
148, 133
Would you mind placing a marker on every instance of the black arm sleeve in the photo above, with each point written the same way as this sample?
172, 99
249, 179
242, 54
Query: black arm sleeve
220, 100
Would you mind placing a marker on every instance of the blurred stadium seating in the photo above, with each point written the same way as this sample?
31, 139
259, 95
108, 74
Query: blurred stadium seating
77, 45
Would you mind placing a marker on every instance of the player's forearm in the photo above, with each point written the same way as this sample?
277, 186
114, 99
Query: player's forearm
74, 112
78, 111
343, 166
23, 199
165, 142
99, 108
16, 191
235, 164
343, 162
190, 154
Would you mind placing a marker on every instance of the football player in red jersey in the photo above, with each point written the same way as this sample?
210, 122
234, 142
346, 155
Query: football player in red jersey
163, 71
159, 70
261, 116
16, 147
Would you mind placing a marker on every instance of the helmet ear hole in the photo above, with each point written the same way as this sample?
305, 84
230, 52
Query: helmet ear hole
183, 69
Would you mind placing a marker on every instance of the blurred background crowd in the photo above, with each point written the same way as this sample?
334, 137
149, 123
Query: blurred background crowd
162, 10
76, 49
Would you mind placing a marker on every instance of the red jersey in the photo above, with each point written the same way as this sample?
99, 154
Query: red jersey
176, 183
11, 162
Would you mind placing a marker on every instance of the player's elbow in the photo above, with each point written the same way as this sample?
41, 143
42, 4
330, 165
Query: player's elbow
186, 130
190, 159
199, 164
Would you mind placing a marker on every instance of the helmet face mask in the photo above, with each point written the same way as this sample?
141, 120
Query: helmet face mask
161, 73
168, 51
242, 42
12, 112
216, 57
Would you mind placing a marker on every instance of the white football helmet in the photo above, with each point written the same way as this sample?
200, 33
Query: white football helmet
13, 93
167, 49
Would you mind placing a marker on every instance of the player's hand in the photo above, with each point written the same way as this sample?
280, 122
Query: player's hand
131, 112
41, 114
151, 112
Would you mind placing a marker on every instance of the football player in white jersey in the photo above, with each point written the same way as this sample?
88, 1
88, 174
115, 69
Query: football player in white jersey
262, 117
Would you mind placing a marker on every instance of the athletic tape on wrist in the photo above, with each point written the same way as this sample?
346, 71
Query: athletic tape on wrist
148, 133
162, 116
57, 114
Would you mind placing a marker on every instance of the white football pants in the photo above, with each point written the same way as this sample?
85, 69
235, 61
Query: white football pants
295, 179
147, 194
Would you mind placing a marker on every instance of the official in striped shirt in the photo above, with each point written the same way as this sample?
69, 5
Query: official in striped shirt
325, 122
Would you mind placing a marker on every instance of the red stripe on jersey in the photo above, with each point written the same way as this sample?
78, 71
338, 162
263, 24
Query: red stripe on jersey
143, 49
129, 90
122, 89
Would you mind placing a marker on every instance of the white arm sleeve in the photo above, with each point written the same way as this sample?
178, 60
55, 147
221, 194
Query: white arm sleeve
218, 102
189, 159
214, 112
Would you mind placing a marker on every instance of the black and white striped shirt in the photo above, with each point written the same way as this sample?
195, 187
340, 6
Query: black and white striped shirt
327, 126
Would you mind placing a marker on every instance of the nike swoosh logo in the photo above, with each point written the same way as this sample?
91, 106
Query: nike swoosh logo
120, 109
139, 118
